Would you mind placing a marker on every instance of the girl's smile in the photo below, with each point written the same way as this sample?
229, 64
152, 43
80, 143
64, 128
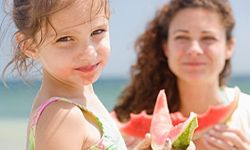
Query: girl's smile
80, 45
88, 68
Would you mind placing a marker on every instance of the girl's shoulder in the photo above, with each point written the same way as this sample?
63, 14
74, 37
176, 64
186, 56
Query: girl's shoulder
56, 108
58, 120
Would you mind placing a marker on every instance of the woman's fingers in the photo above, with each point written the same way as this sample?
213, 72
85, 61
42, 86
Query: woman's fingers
206, 145
224, 128
233, 136
191, 146
217, 143
145, 144
222, 136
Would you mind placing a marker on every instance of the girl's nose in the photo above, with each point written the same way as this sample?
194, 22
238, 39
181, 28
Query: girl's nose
88, 51
194, 49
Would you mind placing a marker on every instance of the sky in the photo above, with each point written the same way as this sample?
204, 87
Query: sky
129, 19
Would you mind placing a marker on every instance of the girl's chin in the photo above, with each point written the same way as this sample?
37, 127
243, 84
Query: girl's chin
90, 80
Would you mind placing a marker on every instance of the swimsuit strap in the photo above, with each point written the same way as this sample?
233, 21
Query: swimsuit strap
43, 106
38, 112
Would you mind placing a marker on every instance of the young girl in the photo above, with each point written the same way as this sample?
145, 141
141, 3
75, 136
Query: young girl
70, 39
186, 49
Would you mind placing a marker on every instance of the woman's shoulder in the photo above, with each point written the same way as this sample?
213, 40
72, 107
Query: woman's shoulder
241, 117
244, 98
243, 102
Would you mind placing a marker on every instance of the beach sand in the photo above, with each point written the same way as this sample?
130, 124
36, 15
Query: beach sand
12, 134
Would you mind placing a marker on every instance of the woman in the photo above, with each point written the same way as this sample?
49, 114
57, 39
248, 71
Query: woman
186, 50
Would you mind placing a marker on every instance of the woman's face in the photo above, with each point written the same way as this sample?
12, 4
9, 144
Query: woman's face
197, 47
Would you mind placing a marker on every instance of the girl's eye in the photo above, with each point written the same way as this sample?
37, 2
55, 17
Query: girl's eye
64, 39
97, 32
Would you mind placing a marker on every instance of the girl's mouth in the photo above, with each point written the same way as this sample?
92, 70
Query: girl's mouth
88, 68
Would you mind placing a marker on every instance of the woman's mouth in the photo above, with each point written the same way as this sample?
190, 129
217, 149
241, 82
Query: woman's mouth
194, 64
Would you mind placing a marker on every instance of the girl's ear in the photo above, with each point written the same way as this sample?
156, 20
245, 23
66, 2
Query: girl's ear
230, 48
27, 46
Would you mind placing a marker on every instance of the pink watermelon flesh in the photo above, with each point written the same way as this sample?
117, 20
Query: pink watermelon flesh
214, 115
161, 123
138, 125
162, 129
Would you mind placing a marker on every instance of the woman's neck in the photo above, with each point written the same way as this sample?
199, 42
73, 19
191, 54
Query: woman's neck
198, 97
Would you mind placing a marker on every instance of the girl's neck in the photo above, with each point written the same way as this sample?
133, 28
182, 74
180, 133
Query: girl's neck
52, 87
198, 97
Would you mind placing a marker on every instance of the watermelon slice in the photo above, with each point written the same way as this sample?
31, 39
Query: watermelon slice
142, 125
139, 124
162, 129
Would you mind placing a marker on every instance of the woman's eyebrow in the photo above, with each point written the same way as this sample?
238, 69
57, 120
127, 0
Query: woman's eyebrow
180, 30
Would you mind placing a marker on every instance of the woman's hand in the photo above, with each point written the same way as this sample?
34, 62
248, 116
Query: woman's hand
191, 146
222, 137
146, 144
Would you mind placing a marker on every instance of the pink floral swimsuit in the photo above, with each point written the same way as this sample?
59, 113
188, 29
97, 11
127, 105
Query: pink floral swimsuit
105, 143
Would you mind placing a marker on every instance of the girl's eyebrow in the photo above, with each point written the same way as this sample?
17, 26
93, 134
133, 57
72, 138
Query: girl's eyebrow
81, 23
69, 29
55, 32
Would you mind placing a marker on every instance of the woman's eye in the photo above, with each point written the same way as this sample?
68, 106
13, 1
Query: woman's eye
181, 38
64, 39
209, 39
96, 32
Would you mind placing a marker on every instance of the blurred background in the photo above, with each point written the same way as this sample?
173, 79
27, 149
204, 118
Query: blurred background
128, 20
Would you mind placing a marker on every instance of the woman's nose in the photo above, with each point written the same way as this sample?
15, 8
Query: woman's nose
194, 49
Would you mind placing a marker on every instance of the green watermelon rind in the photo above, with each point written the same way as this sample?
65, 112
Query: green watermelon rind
183, 140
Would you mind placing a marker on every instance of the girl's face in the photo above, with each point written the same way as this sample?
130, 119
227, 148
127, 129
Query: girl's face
197, 48
79, 50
